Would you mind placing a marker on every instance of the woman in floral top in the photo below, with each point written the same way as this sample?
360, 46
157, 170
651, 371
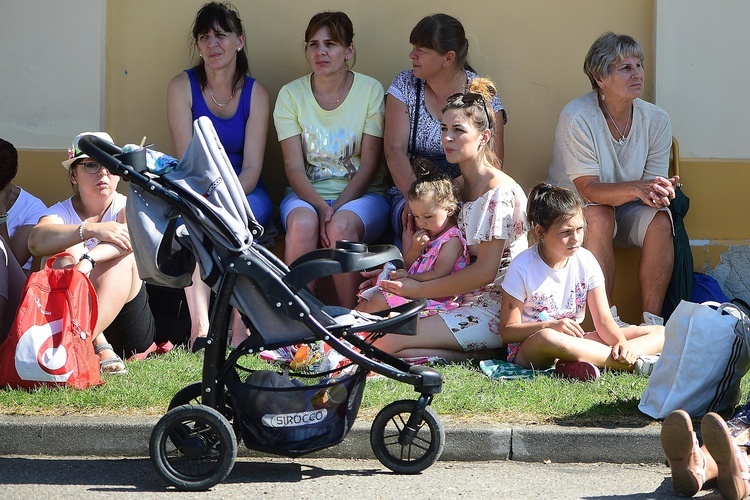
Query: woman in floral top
493, 218
413, 109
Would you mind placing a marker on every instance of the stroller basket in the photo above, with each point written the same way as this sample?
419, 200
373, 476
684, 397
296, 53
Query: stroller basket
281, 415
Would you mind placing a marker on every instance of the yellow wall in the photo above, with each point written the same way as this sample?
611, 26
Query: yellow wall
533, 50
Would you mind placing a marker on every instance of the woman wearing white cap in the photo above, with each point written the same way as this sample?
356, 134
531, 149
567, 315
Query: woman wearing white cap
90, 225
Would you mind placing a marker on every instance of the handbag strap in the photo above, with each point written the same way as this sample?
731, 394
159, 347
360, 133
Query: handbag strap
732, 309
416, 119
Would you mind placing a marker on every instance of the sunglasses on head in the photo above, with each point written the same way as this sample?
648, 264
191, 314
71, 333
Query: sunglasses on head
469, 99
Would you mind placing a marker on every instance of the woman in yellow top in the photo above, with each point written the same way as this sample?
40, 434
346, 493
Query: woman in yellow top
330, 124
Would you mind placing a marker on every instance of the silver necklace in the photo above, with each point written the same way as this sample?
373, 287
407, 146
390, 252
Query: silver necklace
622, 136
224, 104
338, 91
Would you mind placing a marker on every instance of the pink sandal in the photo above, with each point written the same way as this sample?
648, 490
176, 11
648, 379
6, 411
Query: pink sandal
680, 446
733, 477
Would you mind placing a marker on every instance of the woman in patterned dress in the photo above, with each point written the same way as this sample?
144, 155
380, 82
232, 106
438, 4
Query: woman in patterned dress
493, 219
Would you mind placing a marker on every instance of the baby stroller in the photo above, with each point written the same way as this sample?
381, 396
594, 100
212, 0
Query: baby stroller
198, 212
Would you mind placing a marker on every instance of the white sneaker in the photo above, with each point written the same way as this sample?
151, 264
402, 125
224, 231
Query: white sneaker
644, 364
650, 319
619, 322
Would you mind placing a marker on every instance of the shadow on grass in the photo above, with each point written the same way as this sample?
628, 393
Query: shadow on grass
622, 413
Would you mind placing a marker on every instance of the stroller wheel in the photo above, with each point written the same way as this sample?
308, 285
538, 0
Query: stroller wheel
193, 447
392, 446
191, 394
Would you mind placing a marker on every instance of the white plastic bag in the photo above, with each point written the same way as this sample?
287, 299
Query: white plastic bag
706, 353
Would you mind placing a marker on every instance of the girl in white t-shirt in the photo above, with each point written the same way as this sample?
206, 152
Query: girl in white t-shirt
545, 293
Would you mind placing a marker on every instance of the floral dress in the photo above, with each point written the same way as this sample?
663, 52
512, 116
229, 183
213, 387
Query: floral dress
500, 213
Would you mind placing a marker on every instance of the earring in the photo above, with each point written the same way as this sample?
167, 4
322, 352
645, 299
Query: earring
239, 49
602, 97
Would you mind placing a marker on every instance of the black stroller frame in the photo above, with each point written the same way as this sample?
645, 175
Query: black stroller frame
194, 445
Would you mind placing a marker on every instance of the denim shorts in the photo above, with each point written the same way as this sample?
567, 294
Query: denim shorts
370, 208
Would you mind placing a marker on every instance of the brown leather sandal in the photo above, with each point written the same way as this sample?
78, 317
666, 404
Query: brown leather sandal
733, 478
680, 445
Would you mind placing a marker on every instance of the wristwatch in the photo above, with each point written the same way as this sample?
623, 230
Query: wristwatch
88, 258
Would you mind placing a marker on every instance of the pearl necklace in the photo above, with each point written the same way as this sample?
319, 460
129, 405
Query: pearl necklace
627, 123
217, 102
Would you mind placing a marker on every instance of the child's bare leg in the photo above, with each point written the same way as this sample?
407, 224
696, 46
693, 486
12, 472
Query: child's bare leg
374, 304
540, 350
645, 339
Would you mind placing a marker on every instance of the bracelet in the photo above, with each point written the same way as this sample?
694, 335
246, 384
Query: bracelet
80, 231
88, 258
4, 218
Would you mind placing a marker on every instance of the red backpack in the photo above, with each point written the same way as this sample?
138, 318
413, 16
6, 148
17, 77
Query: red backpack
50, 342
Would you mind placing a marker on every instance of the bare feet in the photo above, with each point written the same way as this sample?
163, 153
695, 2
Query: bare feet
686, 460
732, 463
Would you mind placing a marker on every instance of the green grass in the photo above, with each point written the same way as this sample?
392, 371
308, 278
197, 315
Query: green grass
467, 395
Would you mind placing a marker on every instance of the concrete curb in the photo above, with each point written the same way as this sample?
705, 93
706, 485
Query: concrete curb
129, 437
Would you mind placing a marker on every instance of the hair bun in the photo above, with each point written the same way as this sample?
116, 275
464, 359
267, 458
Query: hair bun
483, 86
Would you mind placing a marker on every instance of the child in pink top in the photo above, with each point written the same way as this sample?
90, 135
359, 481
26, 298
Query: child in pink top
437, 249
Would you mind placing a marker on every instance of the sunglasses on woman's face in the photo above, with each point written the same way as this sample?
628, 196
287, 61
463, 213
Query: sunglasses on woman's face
469, 99
92, 167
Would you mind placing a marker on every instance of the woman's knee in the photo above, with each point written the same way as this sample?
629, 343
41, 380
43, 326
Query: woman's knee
301, 225
63, 262
660, 227
345, 225
600, 219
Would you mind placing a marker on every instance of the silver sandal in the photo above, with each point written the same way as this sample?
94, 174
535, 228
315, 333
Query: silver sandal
105, 364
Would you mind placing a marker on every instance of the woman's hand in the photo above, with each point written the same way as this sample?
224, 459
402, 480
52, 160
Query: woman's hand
567, 326
407, 219
657, 192
371, 278
622, 352
325, 214
111, 232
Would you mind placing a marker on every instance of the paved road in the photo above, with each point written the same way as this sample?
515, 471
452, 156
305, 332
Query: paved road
56, 477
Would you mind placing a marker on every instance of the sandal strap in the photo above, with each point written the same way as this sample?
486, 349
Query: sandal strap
103, 347
111, 361
701, 471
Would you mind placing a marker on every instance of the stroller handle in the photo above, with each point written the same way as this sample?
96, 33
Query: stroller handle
107, 154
